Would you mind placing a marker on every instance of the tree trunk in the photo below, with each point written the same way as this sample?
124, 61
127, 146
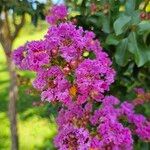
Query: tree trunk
13, 95
6, 40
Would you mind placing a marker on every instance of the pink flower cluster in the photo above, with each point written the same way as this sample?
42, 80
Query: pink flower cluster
73, 69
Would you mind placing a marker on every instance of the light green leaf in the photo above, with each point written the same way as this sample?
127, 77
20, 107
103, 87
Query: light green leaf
144, 27
121, 24
130, 6
135, 19
79, 2
74, 13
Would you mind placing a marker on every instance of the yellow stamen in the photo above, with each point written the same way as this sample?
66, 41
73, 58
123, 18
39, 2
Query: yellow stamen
73, 91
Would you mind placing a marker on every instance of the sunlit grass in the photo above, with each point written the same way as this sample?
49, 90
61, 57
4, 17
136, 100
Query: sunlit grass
33, 132
4, 131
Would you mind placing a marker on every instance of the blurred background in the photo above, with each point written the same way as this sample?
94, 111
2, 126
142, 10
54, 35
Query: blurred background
122, 26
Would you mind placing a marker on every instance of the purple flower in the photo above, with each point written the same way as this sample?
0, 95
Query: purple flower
19, 55
92, 79
57, 13
37, 55
114, 135
73, 138
143, 131
68, 39
32, 56
137, 119
141, 125
53, 85
95, 143
139, 90
103, 115
74, 114
127, 108
68, 116
110, 100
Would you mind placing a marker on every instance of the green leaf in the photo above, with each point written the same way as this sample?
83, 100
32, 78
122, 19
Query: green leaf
74, 13
121, 24
106, 24
79, 2
141, 53
112, 39
130, 6
122, 55
144, 27
122, 1
135, 19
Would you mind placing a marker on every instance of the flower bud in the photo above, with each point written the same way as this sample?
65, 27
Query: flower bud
93, 8
141, 6
73, 64
80, 59
54, 52
147, 16
105, 11
94, 94
66, 70
86, 54
122, 8
147, 9
143, 15
74, 21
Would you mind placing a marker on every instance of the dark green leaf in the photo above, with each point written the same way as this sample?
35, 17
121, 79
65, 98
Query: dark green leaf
141, 53
121, 24
112, 40
122, 55
106, 24
130, 6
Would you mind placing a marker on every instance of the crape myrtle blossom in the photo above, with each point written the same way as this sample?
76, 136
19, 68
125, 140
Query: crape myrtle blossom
64, 45
141, 124
109, 133
57, 13
114, 135
69, 40
94, 78
72, 138
53, 85
106, 112
74, 114
73, 70
32, 56
37, 55
19, 55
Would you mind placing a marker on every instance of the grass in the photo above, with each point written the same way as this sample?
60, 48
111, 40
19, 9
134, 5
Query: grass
36, 126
